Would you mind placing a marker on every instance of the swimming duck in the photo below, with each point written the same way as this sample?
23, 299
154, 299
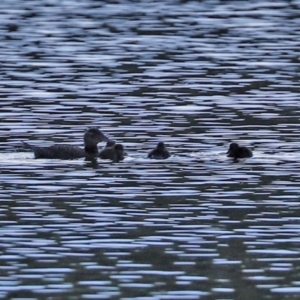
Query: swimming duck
92, 137
160, 152
110, 143
237, 151
114, 152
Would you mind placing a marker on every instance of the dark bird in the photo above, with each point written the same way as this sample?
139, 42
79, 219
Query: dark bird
110, 143
114, 153
237, 151
92, 137
160, 152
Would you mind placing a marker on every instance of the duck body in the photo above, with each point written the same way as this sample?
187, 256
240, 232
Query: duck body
92, 137
160, 152
237, 151
60, 151
114, 153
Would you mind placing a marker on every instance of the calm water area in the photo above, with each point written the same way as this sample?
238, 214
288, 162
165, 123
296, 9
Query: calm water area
196, 75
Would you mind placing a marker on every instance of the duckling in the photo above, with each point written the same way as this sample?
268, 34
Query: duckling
237, 151
114, 153
160, 152
92, 137
110, 143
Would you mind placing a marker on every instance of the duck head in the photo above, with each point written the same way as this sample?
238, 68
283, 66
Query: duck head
160, 146
93, 136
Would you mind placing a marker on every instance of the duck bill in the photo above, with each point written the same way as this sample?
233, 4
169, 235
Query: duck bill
105, 138
229, 153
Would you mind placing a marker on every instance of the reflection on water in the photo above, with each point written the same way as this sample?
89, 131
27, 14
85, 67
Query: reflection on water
196, 76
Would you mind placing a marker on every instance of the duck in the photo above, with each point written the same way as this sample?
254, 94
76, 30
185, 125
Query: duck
237, 151
160, 152
110, 143
92, 137
115, 152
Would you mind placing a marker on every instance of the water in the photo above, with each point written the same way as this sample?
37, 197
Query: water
194, 75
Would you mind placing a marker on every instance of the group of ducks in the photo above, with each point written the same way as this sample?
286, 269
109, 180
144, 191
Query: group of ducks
112, 150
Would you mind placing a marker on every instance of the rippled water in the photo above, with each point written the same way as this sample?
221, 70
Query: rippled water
194, 75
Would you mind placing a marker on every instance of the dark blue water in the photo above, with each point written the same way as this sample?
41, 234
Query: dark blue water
197, 76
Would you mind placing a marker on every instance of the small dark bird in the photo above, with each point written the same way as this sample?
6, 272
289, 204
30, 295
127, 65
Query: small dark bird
160, 152
237, 151
114, 153
92, 137
110, 143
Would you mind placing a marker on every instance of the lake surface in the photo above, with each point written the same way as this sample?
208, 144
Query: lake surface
197, 76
